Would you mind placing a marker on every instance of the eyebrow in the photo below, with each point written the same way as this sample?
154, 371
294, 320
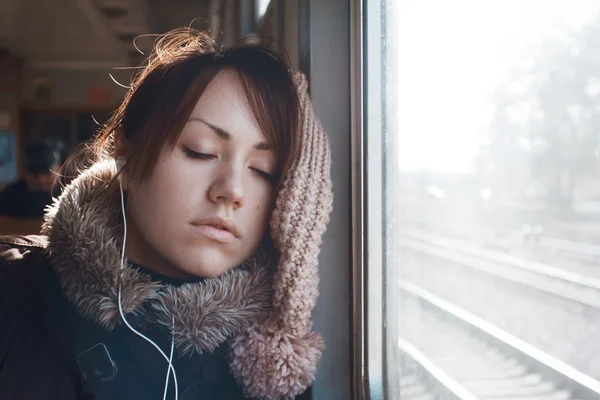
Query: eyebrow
225, 135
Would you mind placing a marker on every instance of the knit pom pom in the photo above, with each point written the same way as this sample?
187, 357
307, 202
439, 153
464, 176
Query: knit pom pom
275, 365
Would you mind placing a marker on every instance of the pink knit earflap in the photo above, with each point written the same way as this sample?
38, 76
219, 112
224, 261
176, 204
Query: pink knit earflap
279, 358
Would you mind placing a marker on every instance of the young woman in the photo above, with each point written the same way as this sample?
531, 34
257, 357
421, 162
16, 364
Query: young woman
182, 262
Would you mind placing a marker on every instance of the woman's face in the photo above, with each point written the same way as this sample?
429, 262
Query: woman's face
205, 207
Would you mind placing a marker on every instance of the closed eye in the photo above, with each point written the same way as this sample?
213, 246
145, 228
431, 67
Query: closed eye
265, 175
200, 156
203, 156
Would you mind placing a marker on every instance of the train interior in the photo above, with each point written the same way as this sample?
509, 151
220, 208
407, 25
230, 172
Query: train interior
462, 256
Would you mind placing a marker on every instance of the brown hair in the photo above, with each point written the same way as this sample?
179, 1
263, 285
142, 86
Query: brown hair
164, 92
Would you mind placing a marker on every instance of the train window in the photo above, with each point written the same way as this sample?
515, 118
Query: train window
261, 8
483, 215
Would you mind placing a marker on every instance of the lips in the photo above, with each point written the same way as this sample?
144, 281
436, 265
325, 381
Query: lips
214, 233
217, 228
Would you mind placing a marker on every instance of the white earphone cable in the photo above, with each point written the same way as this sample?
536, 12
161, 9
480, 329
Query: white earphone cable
170, 365
169, 359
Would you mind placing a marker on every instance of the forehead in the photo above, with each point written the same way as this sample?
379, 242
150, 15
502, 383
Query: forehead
224, 103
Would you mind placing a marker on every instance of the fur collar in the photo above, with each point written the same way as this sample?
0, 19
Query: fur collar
84, 230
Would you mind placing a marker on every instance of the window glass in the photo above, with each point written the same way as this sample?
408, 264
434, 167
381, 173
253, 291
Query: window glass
490, 132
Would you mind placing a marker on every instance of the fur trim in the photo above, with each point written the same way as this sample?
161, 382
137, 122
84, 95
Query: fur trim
225, 307
84, 230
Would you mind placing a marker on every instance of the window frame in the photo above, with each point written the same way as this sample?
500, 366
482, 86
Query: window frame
368, 199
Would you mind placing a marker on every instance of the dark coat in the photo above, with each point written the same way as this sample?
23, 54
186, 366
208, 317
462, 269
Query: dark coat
61, 332
45, 345
16, 200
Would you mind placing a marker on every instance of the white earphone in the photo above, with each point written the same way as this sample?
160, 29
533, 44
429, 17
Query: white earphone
120, 163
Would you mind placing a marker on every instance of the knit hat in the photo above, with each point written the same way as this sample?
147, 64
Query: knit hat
279, 358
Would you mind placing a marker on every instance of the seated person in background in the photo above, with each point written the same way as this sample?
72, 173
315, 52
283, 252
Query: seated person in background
29, 196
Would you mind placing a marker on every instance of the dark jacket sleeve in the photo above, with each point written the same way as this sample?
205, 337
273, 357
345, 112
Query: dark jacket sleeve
30, 366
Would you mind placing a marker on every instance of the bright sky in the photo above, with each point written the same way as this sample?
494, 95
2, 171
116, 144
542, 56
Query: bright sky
452, 55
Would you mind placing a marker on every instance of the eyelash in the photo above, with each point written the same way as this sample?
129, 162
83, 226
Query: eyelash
203, 156
270, 178
196, 155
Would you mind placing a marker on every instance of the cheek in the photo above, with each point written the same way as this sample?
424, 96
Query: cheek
261, 211
174, 185
167, 198
143, 205
258, 214
163, 198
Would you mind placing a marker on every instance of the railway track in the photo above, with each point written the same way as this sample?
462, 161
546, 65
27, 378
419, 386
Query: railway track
586, 251
567, 285
448, 353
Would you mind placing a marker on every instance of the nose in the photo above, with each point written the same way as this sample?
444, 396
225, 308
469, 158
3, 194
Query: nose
228, 188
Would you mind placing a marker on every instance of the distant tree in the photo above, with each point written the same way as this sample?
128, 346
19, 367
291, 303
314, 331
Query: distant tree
546, 123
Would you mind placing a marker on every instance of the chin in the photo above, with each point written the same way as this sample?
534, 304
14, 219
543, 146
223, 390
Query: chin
203, 270
216, 267
206, 261
208, 272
